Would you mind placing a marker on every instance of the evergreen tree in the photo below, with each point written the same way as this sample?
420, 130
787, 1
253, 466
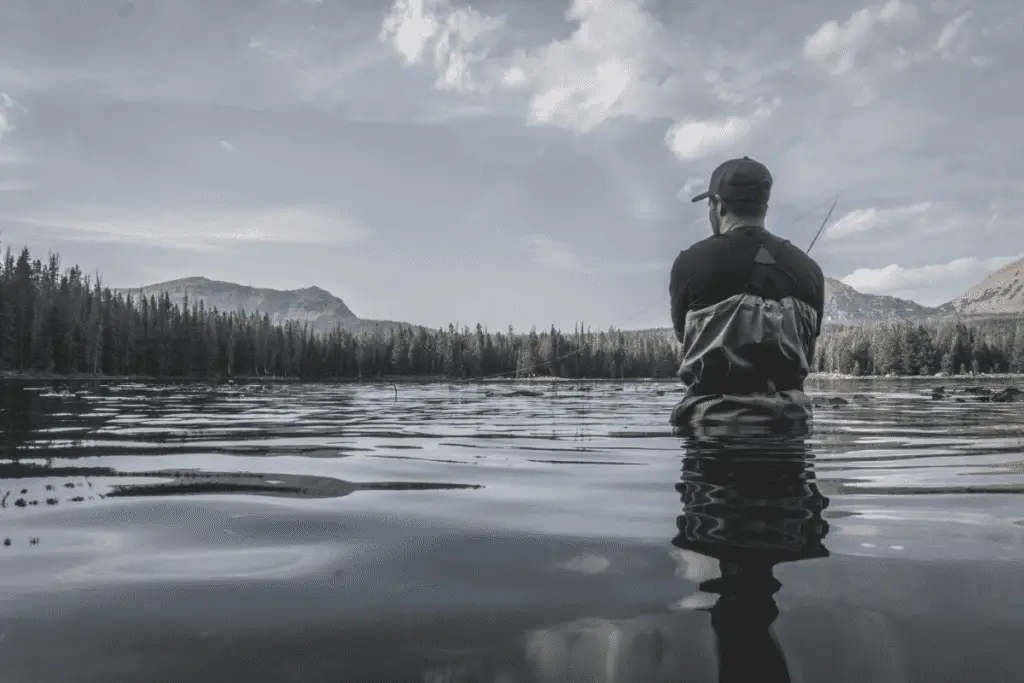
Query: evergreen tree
66, 323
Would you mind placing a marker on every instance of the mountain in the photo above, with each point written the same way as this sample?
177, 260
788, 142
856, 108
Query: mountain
313, 305
1001, 291
323, 311
844, 304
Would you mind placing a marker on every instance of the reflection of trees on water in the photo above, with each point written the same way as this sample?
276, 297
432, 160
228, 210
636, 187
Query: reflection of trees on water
45, 428
42, 425
41, 420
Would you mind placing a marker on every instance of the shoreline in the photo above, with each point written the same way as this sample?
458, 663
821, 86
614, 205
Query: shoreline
440, 379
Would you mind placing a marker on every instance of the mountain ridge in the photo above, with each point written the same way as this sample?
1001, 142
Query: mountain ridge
1000, 292
314, 305
844, 304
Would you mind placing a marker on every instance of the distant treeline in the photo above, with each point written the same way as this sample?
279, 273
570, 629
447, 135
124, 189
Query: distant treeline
66, 323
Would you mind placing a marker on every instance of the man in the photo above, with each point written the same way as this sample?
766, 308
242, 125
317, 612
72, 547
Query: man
747, 307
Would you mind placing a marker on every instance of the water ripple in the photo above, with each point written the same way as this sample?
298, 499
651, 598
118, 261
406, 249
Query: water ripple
432, 520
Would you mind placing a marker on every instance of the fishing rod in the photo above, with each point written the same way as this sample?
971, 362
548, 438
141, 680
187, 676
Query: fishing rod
823, 224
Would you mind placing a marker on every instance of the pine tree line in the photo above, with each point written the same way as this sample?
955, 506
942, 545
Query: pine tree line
66, 323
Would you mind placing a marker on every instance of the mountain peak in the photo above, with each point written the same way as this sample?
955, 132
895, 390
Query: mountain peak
1002, 291
844, 304
314, 305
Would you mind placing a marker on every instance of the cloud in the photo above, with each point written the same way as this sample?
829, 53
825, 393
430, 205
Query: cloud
860, 221
227, 146
880, 42
6, 105
454, 36
553, 254
690, 187
610, 66
691, 139
928, 284
836, 46
617, 62
947, 43
210, 231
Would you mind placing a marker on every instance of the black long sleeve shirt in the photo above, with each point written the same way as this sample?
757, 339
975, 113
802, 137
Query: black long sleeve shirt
719, 269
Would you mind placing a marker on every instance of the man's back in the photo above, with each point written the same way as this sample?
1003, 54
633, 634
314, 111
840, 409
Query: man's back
747, 307
720, 266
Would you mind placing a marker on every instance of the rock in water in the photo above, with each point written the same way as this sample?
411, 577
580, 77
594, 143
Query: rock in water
823, 401
1008, 395
527, 392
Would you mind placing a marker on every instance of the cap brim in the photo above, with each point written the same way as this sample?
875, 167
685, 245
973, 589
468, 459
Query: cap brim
702, 195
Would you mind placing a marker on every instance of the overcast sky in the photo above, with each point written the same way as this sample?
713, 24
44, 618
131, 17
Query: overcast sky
504, 161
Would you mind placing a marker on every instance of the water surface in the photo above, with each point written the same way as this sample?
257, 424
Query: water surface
457, 533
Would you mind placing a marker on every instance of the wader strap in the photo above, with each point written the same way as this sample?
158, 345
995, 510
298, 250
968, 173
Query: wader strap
764, 277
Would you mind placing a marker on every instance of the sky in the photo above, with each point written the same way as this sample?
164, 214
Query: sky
507, 162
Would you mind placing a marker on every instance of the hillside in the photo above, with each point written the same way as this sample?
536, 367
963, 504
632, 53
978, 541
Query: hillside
844, 304
318, 307
998, 293
1001, 291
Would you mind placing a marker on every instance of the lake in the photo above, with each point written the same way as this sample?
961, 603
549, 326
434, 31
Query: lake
456, 533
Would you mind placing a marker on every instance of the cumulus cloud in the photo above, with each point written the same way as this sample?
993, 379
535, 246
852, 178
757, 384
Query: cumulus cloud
616, 62
619, 61
860, 221
929, 284
836, 46
553, 253
880, 42
455, 38
691, 139
608, 67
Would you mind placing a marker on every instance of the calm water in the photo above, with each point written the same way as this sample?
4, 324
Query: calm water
334, 533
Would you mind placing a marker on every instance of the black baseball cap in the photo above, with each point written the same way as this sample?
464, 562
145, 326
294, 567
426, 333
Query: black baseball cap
740, 180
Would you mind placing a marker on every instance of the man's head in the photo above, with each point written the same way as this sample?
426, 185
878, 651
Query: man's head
738, 193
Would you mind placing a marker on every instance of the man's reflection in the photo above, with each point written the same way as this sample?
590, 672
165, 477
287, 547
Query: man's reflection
749, 503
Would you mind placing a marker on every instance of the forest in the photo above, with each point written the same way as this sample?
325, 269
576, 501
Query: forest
66, 323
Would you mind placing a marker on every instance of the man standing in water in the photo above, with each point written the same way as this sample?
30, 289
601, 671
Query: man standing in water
747, 307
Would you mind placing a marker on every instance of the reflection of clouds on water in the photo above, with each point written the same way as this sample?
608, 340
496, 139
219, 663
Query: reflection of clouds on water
190, 565
586, 564
647, 648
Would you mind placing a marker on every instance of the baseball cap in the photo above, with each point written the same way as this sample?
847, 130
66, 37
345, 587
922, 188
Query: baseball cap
740, 180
